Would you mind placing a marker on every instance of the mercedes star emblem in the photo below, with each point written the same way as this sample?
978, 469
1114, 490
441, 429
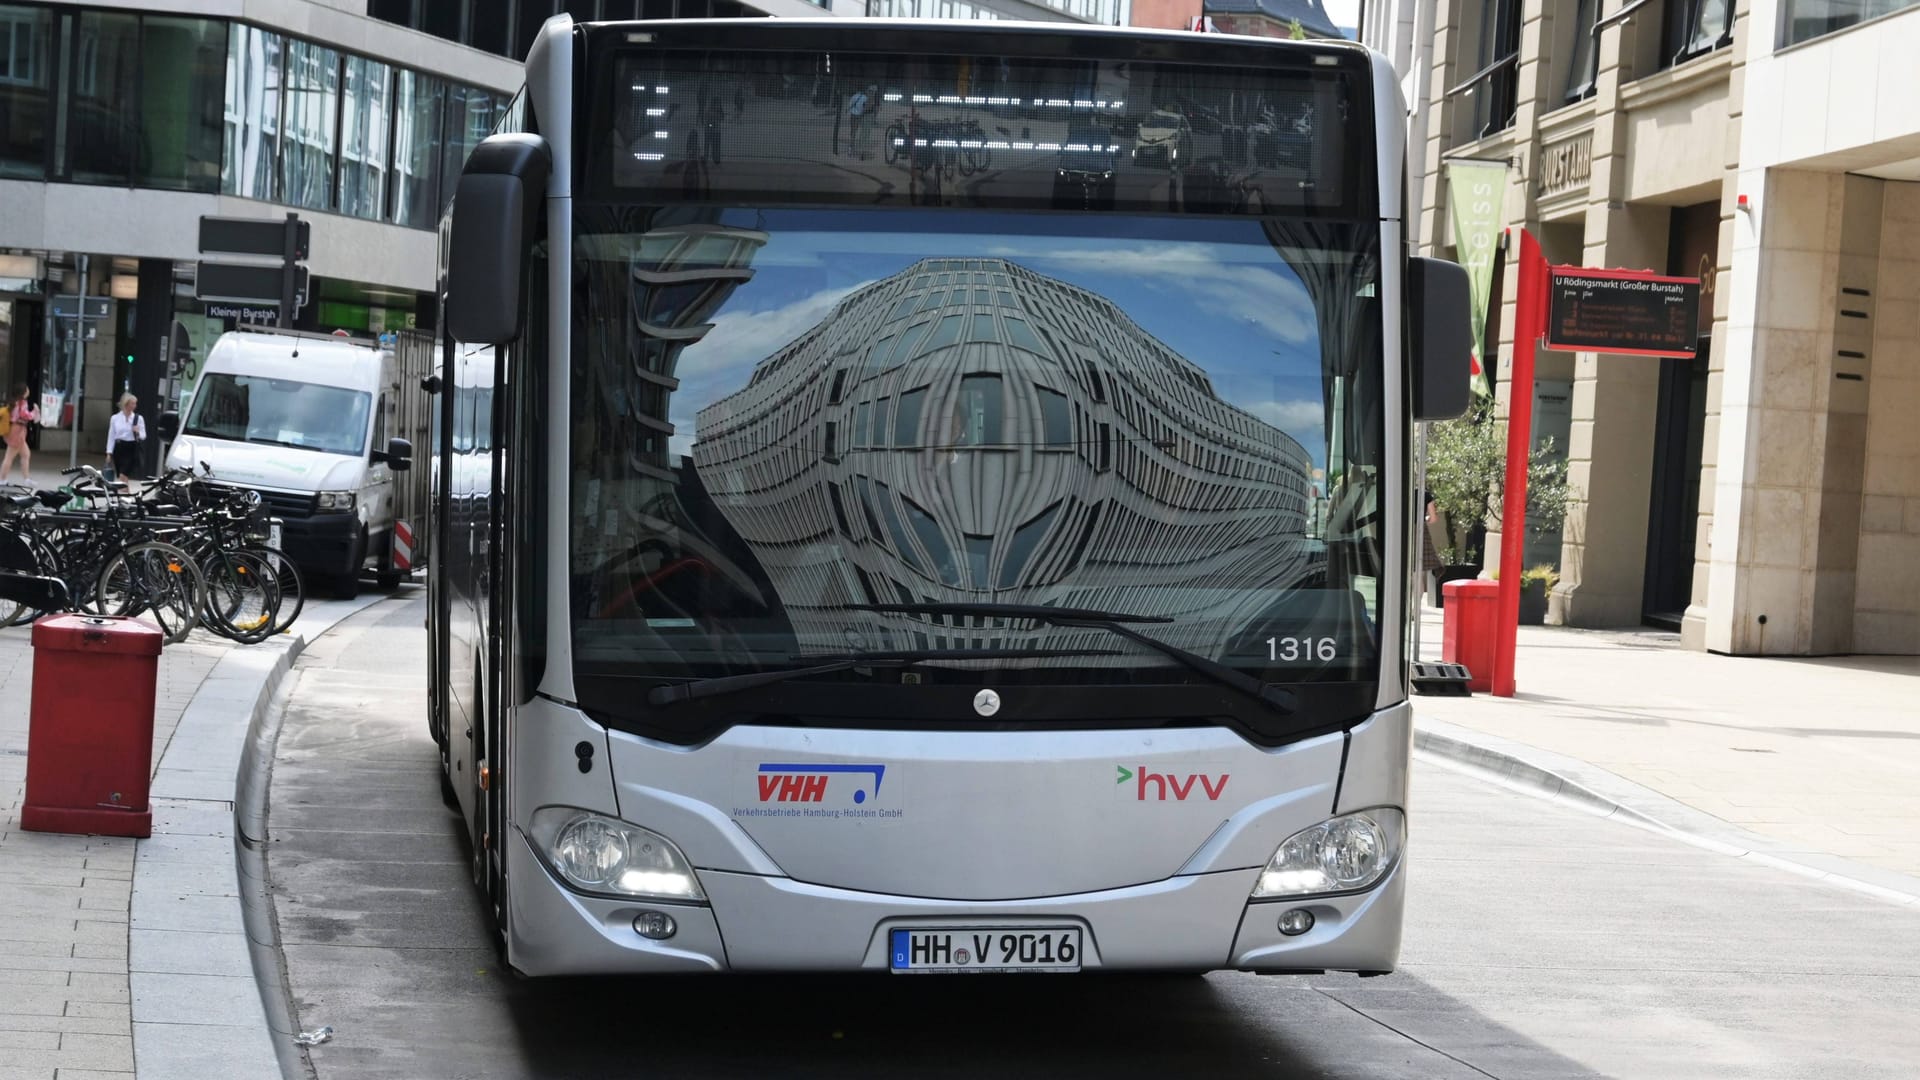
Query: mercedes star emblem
986, 703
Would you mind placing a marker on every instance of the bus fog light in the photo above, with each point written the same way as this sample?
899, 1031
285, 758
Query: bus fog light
658, 925
596, 853
1345, 854
1296, 921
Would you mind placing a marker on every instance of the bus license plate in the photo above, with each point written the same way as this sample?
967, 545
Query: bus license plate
273, 535
1027, 948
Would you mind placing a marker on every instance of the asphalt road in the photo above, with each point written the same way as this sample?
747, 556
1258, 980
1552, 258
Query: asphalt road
1542, 942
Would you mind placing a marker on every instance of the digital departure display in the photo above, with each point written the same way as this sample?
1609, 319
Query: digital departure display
792, 128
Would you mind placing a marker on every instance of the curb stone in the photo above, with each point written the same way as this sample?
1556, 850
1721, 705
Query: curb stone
1571, 781
200, 1004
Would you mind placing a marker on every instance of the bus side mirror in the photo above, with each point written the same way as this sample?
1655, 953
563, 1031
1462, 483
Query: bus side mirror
169, 426
1439, 338
398, 455
501, 191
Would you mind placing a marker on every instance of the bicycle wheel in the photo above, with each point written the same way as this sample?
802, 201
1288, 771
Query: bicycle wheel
156, 579
243, 596
24, 551
293, 589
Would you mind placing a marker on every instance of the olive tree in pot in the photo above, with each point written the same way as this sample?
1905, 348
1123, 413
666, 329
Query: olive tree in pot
1466, 479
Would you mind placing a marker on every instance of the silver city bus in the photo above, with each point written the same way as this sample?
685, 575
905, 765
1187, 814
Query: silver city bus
932, 498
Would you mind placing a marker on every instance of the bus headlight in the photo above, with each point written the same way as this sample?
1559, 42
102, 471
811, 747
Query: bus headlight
1340, 855
336, 500
599, 854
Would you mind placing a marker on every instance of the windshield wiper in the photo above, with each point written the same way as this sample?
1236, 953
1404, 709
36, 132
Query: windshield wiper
673, 694
1273, 697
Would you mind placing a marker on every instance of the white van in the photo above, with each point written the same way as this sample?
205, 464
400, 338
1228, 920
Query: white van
310, 422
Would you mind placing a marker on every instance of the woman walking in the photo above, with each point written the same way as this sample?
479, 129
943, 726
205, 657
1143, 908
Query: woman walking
19, 414
125, 433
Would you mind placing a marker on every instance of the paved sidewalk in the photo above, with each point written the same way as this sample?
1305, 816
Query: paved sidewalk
1820, 757
70, 905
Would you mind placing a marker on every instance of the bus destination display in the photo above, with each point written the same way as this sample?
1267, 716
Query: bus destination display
1622, 311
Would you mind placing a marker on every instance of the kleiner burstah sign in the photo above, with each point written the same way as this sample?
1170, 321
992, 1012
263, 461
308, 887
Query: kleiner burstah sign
1622, 311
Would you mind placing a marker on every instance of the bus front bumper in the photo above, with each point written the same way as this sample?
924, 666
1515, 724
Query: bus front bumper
757, 923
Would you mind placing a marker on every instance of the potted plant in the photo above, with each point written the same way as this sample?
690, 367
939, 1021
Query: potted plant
1466, 477
1535, 584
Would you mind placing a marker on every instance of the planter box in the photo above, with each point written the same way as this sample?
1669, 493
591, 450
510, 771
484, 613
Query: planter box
1533, 605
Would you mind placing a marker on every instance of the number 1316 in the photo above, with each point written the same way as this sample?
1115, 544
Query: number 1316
1303, 648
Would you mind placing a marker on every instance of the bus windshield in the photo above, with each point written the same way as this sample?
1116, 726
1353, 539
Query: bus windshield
784, 417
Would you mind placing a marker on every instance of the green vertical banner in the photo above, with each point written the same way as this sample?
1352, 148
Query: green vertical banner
1477, 192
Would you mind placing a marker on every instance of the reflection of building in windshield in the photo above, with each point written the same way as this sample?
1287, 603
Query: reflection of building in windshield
664, 289
968, 430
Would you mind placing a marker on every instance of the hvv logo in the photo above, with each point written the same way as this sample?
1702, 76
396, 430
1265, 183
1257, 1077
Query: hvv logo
1150, 786
809, 783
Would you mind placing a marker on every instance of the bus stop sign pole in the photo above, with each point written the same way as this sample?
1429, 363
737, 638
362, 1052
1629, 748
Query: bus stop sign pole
1529, 325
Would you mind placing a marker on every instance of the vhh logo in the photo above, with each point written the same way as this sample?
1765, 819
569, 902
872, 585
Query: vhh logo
792, 788
807, 783
1150, 786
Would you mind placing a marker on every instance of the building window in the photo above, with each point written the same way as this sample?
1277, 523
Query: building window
101, 134
895, 528
311, 110
1494, 61
254, 75
931, 538
977, 411
1056, 420
25, 36
1695, 27
533, 13
363, 138
420, 100
182, 100
443, 18
471, 115
1584, 56
1804, 20
1026, 539
979, 554
906, 426
401, 12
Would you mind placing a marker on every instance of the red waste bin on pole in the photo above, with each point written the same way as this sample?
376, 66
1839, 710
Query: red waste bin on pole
90, 735
1468, 637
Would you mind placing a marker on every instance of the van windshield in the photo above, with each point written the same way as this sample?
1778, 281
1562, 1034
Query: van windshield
280, 412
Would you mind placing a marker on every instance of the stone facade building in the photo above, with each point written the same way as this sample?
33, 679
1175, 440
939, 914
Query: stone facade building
1765, 496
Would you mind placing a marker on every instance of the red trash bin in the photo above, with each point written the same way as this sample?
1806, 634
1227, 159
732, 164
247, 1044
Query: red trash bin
90, 735
1472, 614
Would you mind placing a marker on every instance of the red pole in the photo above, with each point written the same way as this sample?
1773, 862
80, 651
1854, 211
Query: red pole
1529, 323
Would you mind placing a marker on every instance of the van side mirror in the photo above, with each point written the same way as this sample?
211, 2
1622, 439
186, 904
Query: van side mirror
398, 455
1439, 338
501, 190
169, 426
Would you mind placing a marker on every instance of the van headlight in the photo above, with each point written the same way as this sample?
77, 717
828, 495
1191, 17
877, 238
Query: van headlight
598, 854
1345, 854
336, 500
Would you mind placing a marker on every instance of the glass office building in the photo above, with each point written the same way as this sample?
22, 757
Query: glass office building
120, 128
